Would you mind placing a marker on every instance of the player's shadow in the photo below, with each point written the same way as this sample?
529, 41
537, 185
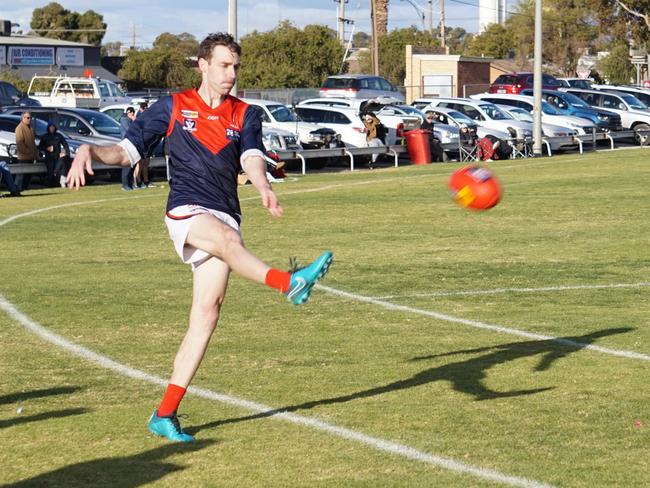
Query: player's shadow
28, 395
465, 376
23, 396
125, 472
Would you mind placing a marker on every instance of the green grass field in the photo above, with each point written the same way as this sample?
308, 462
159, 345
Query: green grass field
446, 348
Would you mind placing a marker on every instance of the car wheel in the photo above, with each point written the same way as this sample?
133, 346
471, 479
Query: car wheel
642, 134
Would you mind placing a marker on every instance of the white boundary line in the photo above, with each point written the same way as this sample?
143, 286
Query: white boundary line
496, 291
374, 442
482, 325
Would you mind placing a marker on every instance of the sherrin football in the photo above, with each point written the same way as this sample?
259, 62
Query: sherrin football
475, 187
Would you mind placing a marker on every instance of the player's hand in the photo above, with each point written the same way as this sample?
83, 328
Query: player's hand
270, 202
82, 162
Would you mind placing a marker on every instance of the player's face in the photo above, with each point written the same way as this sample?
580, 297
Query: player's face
220, 72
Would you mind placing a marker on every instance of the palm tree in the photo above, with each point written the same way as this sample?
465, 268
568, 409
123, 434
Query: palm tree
382, 17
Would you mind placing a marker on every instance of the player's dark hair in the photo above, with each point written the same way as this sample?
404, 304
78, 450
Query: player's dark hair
217, 39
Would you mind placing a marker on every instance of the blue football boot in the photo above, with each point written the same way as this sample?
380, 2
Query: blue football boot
304, 279
168, 427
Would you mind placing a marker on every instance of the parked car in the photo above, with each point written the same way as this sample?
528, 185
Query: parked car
10, 95
484, 114
81, 124
640, 93
8, 124
75, 92
569, 104
515, 82
575, 83
633, 112
345, 121
550, 115
454, 118
548, 130
359, 86
116, 110
276, 115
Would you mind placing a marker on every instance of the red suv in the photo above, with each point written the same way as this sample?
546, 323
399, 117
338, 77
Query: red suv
515, 82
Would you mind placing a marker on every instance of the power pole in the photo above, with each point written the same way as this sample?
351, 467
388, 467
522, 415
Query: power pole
375, 41
133, 36
443, 42
537, 82
341, 21
232, 30
431, 17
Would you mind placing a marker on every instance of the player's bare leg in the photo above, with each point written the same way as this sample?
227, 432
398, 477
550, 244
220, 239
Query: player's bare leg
209, 289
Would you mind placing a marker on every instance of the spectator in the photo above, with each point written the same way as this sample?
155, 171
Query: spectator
126, 120
25, 147
5, 175
435, 148
55, 147
141, 172
375, 135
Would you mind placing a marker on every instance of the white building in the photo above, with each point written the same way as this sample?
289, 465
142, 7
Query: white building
491, 12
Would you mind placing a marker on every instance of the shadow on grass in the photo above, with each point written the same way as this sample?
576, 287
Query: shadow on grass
55, 414
465, 376
123, 472
28, 395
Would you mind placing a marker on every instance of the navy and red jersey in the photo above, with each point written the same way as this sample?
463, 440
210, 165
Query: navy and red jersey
205, 147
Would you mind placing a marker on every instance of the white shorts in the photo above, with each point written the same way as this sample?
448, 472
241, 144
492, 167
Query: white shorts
178, 222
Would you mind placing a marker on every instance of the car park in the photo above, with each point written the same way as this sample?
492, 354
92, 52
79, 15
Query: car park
549, 131
569, 104
550, 115
633, 112
515, 82
483, 113
276, 115
640, 93
359, 86
575, 83
10, 95
453, 118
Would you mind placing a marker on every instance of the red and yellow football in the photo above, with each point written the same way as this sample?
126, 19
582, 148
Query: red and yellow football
475, 187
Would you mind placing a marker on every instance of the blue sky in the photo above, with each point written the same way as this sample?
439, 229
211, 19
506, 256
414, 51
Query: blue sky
199, 17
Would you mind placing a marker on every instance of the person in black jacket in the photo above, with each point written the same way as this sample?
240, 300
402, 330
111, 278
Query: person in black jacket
56, 150
437, 153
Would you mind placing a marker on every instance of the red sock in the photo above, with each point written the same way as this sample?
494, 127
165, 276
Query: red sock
280, 280
171, 400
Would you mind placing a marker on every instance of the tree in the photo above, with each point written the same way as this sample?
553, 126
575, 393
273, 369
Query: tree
495, 42
617, 67
166, 65
56, 22
287, 57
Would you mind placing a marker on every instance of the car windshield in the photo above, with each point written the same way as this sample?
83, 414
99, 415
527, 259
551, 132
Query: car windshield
493, 112
549, 109
461, 118
521, 114
104, 124
634, 102
575, 101
281, 113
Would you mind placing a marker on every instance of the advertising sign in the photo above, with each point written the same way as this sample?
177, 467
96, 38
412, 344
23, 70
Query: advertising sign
70, 56
31, 56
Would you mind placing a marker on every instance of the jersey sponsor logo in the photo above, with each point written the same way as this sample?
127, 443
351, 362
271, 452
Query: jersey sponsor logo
232, 134
190, 114
189, 125
213, 117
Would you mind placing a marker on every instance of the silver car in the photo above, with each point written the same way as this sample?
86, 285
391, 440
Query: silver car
359, 86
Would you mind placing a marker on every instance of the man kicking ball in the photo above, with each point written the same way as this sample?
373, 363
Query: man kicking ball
210, 136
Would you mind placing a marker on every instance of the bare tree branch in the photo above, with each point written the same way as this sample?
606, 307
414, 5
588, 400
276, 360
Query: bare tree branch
645, 17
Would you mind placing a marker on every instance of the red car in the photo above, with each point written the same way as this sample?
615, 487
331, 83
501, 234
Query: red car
513, 83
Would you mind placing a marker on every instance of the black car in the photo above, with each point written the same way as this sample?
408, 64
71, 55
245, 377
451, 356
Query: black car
10, 95
569, 104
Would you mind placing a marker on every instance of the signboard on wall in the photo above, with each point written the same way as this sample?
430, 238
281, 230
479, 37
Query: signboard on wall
31, 55
70, 56
438, 85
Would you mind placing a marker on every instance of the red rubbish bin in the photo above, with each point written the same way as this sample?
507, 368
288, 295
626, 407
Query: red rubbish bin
417, 143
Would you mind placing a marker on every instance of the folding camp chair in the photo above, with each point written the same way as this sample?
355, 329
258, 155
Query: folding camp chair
468, 147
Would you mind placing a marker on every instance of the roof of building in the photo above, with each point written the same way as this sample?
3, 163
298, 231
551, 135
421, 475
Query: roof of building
23, 40
26, 72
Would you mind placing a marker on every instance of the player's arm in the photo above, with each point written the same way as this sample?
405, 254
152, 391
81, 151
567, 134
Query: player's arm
255, 167
143, 134
114, 155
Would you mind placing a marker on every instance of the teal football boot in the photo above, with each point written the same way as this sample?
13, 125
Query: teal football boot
304, 279
168, 427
